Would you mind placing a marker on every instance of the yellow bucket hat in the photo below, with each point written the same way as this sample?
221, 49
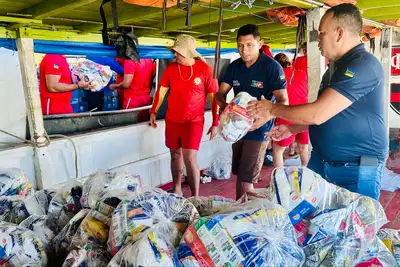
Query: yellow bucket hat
186, 46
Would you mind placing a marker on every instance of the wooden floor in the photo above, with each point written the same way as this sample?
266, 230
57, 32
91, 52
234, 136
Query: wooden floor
390, 201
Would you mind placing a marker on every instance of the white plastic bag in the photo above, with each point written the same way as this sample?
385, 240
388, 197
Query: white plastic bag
14, 182
64, 205
220, 167
150, 250
335, 226
234, 120
157, 211
88, 70
37, 224
38, 203
104, 185
90, 256
210, 205
20, 246
256, 233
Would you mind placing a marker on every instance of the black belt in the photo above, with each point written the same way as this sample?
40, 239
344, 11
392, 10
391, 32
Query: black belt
341, 164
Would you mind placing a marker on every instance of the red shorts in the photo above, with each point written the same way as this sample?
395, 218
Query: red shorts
301, 138
184, 135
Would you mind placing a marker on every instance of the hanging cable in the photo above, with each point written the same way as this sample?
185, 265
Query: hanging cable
218, 45
189, 14
48, 140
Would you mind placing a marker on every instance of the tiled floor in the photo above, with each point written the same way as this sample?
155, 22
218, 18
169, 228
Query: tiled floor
390, 201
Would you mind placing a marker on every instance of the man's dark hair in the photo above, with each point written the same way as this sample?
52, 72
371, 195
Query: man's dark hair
283, 60
347, 16
247, 30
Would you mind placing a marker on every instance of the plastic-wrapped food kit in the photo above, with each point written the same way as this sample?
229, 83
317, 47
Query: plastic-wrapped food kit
65, 205
97, 74
391, 239
89, 256
63, 242
20, 246
12, 209
256, 233
37, 224
155, 210
151, 249
209, 205
335, 226
234, 120
377, 254
105, 185
93, 230
14, 182
38, 203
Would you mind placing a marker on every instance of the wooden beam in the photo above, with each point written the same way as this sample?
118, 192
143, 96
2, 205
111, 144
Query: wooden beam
212, 16
125, 16
298, 3
266, 30
232, 24
52, 7
24, 21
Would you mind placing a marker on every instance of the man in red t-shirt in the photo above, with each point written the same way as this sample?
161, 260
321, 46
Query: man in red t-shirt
56, 85
189, 81
135, 85
297, 90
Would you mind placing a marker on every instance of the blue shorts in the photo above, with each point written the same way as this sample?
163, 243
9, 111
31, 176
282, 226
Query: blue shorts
365, 180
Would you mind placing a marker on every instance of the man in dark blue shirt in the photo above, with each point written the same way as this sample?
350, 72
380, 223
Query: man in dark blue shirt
347, 126
262, 77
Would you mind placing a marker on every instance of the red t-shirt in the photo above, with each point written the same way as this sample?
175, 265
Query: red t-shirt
188, 90
297, 86
142, 77
59, 103
300, 63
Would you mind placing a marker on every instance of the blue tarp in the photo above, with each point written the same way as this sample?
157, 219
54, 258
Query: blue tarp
99, 50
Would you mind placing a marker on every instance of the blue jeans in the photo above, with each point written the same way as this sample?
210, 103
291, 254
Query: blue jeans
365, 180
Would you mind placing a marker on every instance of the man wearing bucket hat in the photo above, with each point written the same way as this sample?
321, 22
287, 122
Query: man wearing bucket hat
189, 80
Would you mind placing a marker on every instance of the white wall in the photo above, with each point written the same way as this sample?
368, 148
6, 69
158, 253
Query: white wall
12, 101
20, 157
137, 149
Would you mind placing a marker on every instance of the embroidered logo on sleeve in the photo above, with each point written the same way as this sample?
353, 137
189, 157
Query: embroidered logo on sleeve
56, 66
282, 77
349, 73
236, 83
257, 84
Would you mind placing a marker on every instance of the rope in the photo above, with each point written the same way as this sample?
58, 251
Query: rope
48, 139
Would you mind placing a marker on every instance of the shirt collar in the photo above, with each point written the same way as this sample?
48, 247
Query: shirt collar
355, 49
257, 61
